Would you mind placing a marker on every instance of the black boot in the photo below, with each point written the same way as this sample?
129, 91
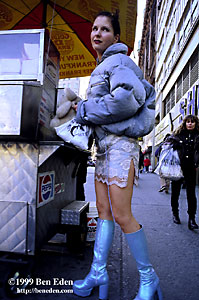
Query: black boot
192, 223
176, 219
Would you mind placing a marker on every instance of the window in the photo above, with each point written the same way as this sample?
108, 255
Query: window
194, 13
185, 76
180, 36
161, 47
179, 88
170, 20
187, 29
164, 108
169, 101
194, 2
19, 55
170, 58
172, 96
189, 75
166, 105
187, 14
190, 14
194, 76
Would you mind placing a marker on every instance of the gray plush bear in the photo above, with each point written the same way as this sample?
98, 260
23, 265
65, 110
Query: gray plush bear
65, 111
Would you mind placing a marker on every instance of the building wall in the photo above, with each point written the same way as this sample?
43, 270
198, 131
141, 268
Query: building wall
177, 64
147, 59
147, 53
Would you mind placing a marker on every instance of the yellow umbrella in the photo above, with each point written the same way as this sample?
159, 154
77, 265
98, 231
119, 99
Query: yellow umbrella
69, 23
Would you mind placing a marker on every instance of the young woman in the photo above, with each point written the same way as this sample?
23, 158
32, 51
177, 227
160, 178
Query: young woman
186, 141
116, 92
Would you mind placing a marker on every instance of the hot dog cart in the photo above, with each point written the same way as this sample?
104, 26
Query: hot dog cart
36, 167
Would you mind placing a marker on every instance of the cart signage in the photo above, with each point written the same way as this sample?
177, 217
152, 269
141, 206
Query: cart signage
59, 188
46, 188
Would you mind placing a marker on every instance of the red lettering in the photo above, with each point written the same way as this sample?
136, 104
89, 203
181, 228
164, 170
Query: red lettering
75, 57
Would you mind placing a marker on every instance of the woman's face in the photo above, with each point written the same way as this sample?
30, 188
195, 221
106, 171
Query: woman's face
190, 124
102, 35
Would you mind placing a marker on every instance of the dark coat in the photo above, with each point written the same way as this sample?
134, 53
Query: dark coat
187, 145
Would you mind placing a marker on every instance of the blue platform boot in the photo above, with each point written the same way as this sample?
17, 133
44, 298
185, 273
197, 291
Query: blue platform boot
98, 275
149, 282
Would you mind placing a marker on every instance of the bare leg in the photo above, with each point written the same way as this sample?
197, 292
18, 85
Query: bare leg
102, 201
121, 207
121, 204
120, 201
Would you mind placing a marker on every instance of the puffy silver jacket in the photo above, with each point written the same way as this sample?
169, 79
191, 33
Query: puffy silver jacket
119, 99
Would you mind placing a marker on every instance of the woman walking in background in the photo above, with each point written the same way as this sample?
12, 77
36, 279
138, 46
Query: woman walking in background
186, 141
117, 90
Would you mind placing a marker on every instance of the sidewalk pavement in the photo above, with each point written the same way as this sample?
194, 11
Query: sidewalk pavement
174, 250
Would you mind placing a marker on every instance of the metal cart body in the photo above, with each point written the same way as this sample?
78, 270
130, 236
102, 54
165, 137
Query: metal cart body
36, 183
36, 167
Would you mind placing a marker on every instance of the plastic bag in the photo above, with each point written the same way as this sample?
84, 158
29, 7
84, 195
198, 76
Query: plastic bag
169, 164
75, 133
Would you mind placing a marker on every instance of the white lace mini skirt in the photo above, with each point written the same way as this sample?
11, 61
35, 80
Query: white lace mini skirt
114, 156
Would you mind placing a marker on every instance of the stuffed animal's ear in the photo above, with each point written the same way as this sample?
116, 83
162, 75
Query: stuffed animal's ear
69, 94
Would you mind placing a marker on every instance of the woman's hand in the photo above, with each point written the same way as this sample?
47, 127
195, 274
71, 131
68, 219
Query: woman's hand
74, 106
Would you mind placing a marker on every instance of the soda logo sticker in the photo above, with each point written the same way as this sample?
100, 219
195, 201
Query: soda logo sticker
46, 188
92, 222
59, 188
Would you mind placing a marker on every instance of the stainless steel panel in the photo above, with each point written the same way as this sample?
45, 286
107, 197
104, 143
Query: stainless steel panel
47, 111
11, 109
24, 227
46, 151
26, 109
18, 172
20, 106
70, 214
18, 183
30, 110
49, 215
31, 229
13, 226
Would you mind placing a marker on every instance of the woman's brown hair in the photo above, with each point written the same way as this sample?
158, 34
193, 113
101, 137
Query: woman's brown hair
183, 125
114, 18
